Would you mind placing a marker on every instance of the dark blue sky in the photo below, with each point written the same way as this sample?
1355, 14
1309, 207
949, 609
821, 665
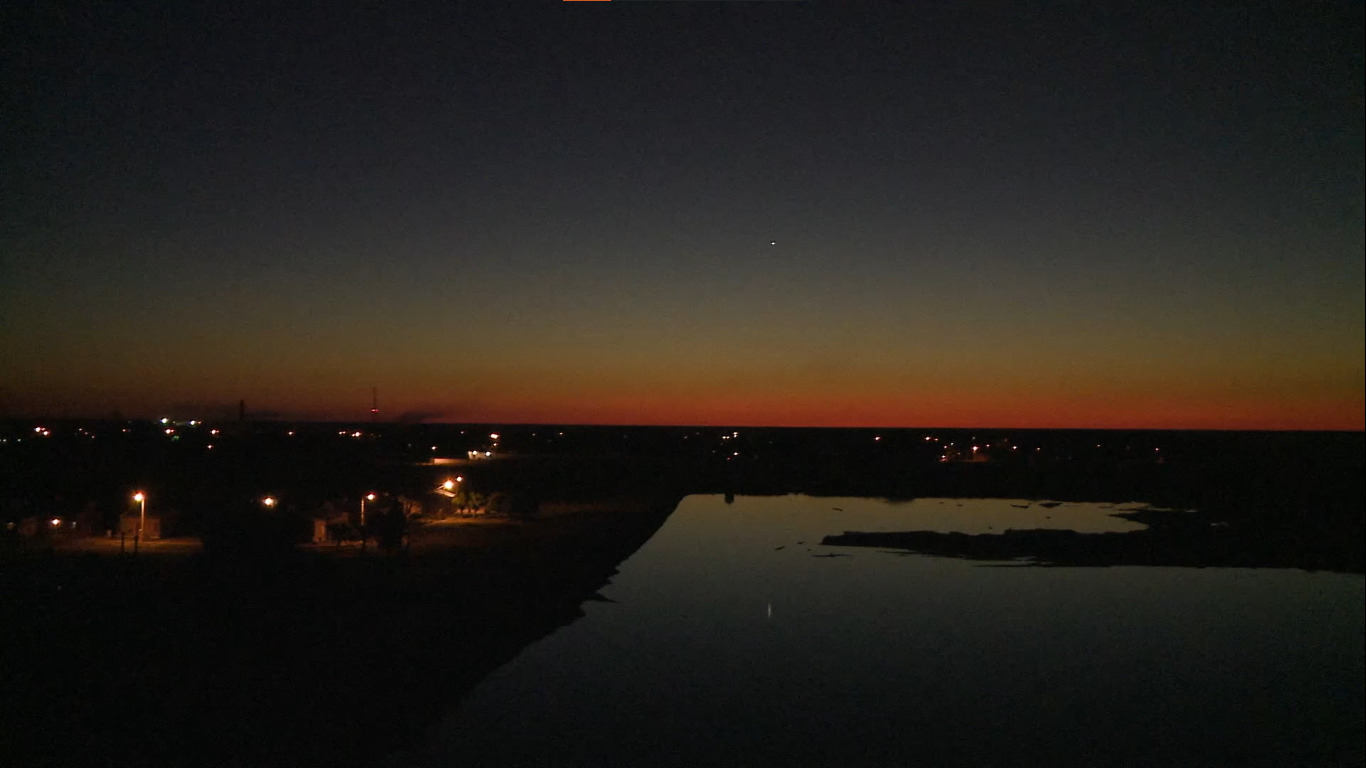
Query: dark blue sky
1051, 215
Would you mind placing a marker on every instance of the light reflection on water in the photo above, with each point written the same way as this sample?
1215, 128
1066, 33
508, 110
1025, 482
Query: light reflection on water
731, 639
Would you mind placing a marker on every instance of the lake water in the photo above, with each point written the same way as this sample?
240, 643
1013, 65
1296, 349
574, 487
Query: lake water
729, 639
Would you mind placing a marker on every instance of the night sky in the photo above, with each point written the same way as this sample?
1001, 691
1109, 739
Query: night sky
782, 213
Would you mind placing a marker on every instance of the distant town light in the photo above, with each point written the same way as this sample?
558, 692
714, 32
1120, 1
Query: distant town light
369, 497
56, 521
269, 501
493, 435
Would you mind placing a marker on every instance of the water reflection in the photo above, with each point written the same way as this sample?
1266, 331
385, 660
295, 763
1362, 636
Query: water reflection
728, 642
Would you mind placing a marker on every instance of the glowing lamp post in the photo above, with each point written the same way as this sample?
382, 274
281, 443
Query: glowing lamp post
269, 502
363, 499
141, 499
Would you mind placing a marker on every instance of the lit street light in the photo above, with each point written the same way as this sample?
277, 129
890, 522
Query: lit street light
363, 499
363, 536
269, 501
141, 499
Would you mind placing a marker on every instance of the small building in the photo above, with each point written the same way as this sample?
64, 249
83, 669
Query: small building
151, 527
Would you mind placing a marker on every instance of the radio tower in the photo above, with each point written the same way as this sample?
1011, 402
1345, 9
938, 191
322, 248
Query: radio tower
374, 404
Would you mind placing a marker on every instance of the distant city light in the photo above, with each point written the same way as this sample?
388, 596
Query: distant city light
269, 501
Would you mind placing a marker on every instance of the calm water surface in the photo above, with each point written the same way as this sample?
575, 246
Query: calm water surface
729, 639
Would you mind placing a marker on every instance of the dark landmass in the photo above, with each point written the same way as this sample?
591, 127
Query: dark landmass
1185, 539
306, 659
257, 650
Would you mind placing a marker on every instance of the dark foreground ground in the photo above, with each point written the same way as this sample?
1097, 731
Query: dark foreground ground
323, 657
316, 658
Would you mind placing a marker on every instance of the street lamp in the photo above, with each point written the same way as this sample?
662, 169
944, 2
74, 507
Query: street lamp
269, 502
363, 499
141, 499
